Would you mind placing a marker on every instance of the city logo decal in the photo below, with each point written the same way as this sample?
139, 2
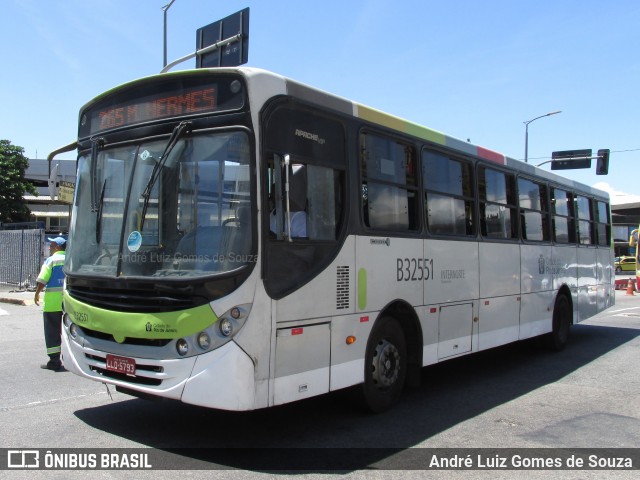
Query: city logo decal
541, 267
160, 328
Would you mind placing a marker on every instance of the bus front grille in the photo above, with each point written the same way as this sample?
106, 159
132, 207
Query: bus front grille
98, 365
132, 300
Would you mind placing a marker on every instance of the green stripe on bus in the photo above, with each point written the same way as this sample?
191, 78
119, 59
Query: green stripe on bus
362, 288
396, 123
426, 134
121, 325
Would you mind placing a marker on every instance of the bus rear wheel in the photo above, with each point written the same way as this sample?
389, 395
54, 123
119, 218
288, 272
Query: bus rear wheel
557, 339
385, 366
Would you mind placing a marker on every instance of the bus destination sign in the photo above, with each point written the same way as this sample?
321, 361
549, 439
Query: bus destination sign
148, 101
196, 101
155, 107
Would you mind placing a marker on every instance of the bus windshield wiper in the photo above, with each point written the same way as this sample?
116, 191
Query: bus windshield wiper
177, 133
97, 144
99, 219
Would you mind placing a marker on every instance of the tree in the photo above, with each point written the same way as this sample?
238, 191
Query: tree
13, 184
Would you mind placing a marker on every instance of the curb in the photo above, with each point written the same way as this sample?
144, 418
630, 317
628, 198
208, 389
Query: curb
16, 301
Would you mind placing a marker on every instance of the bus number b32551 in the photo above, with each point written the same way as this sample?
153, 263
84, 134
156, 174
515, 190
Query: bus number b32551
414, 269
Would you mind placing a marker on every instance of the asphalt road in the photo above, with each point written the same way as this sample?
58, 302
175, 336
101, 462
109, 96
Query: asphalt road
517, 396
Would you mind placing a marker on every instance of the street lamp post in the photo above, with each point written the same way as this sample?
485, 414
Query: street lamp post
164, 10
526, 133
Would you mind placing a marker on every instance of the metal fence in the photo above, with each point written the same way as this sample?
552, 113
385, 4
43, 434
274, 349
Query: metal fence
21, 256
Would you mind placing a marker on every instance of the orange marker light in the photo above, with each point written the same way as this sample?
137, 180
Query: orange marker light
351, 339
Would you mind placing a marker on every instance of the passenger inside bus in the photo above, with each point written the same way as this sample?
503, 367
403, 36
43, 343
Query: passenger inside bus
297, 205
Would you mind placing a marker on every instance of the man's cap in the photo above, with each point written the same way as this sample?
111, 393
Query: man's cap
59, 240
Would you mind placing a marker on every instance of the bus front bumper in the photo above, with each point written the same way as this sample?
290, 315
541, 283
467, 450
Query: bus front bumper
222, 378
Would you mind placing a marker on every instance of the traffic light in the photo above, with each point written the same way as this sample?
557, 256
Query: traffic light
602, 164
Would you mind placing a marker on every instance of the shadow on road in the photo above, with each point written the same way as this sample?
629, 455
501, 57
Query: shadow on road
327, 432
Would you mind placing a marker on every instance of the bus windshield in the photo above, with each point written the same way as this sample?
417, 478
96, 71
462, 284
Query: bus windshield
145, 210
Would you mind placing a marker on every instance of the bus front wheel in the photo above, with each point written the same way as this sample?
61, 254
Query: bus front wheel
385, 366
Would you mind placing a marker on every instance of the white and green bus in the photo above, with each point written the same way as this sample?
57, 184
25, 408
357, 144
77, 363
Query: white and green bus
240, 240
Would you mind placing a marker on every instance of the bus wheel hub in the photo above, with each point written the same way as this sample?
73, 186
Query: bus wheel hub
386, 364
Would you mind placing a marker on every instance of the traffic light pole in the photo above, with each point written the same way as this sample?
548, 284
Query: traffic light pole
563, 160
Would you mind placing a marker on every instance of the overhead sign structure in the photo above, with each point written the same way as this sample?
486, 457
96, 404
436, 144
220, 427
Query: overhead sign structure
228, 40
570, 159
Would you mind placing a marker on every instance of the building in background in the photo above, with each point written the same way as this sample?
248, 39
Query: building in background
52, 206
625, 219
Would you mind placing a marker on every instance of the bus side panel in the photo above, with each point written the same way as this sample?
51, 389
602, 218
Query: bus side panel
389, 269
606, 296
451, 289
536, 311
538, 295
329, 294
454, 274
564, 263
587, 283
499, 317
499, 269
499, 321
302, 362
429, 316
347, 359
455, 330
304, 320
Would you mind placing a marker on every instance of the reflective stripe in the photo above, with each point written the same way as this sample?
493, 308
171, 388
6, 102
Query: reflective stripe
53, 350
52, 275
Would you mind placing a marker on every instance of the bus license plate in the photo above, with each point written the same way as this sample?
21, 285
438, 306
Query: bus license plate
121, 365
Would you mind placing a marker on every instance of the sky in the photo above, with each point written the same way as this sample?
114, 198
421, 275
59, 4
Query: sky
473, 69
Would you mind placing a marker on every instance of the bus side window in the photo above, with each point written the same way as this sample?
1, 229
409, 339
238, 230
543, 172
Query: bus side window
389, 188
315, 203
534, 218
498, 212
586, 232
604, 223
562, 224
449, 194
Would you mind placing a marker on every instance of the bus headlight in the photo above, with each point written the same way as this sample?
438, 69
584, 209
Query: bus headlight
72, 327
231, 321
226, 327
204, 340
216, 335
182, 347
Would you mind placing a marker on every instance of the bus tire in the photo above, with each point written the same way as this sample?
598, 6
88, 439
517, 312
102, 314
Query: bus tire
385, 366
557, 339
